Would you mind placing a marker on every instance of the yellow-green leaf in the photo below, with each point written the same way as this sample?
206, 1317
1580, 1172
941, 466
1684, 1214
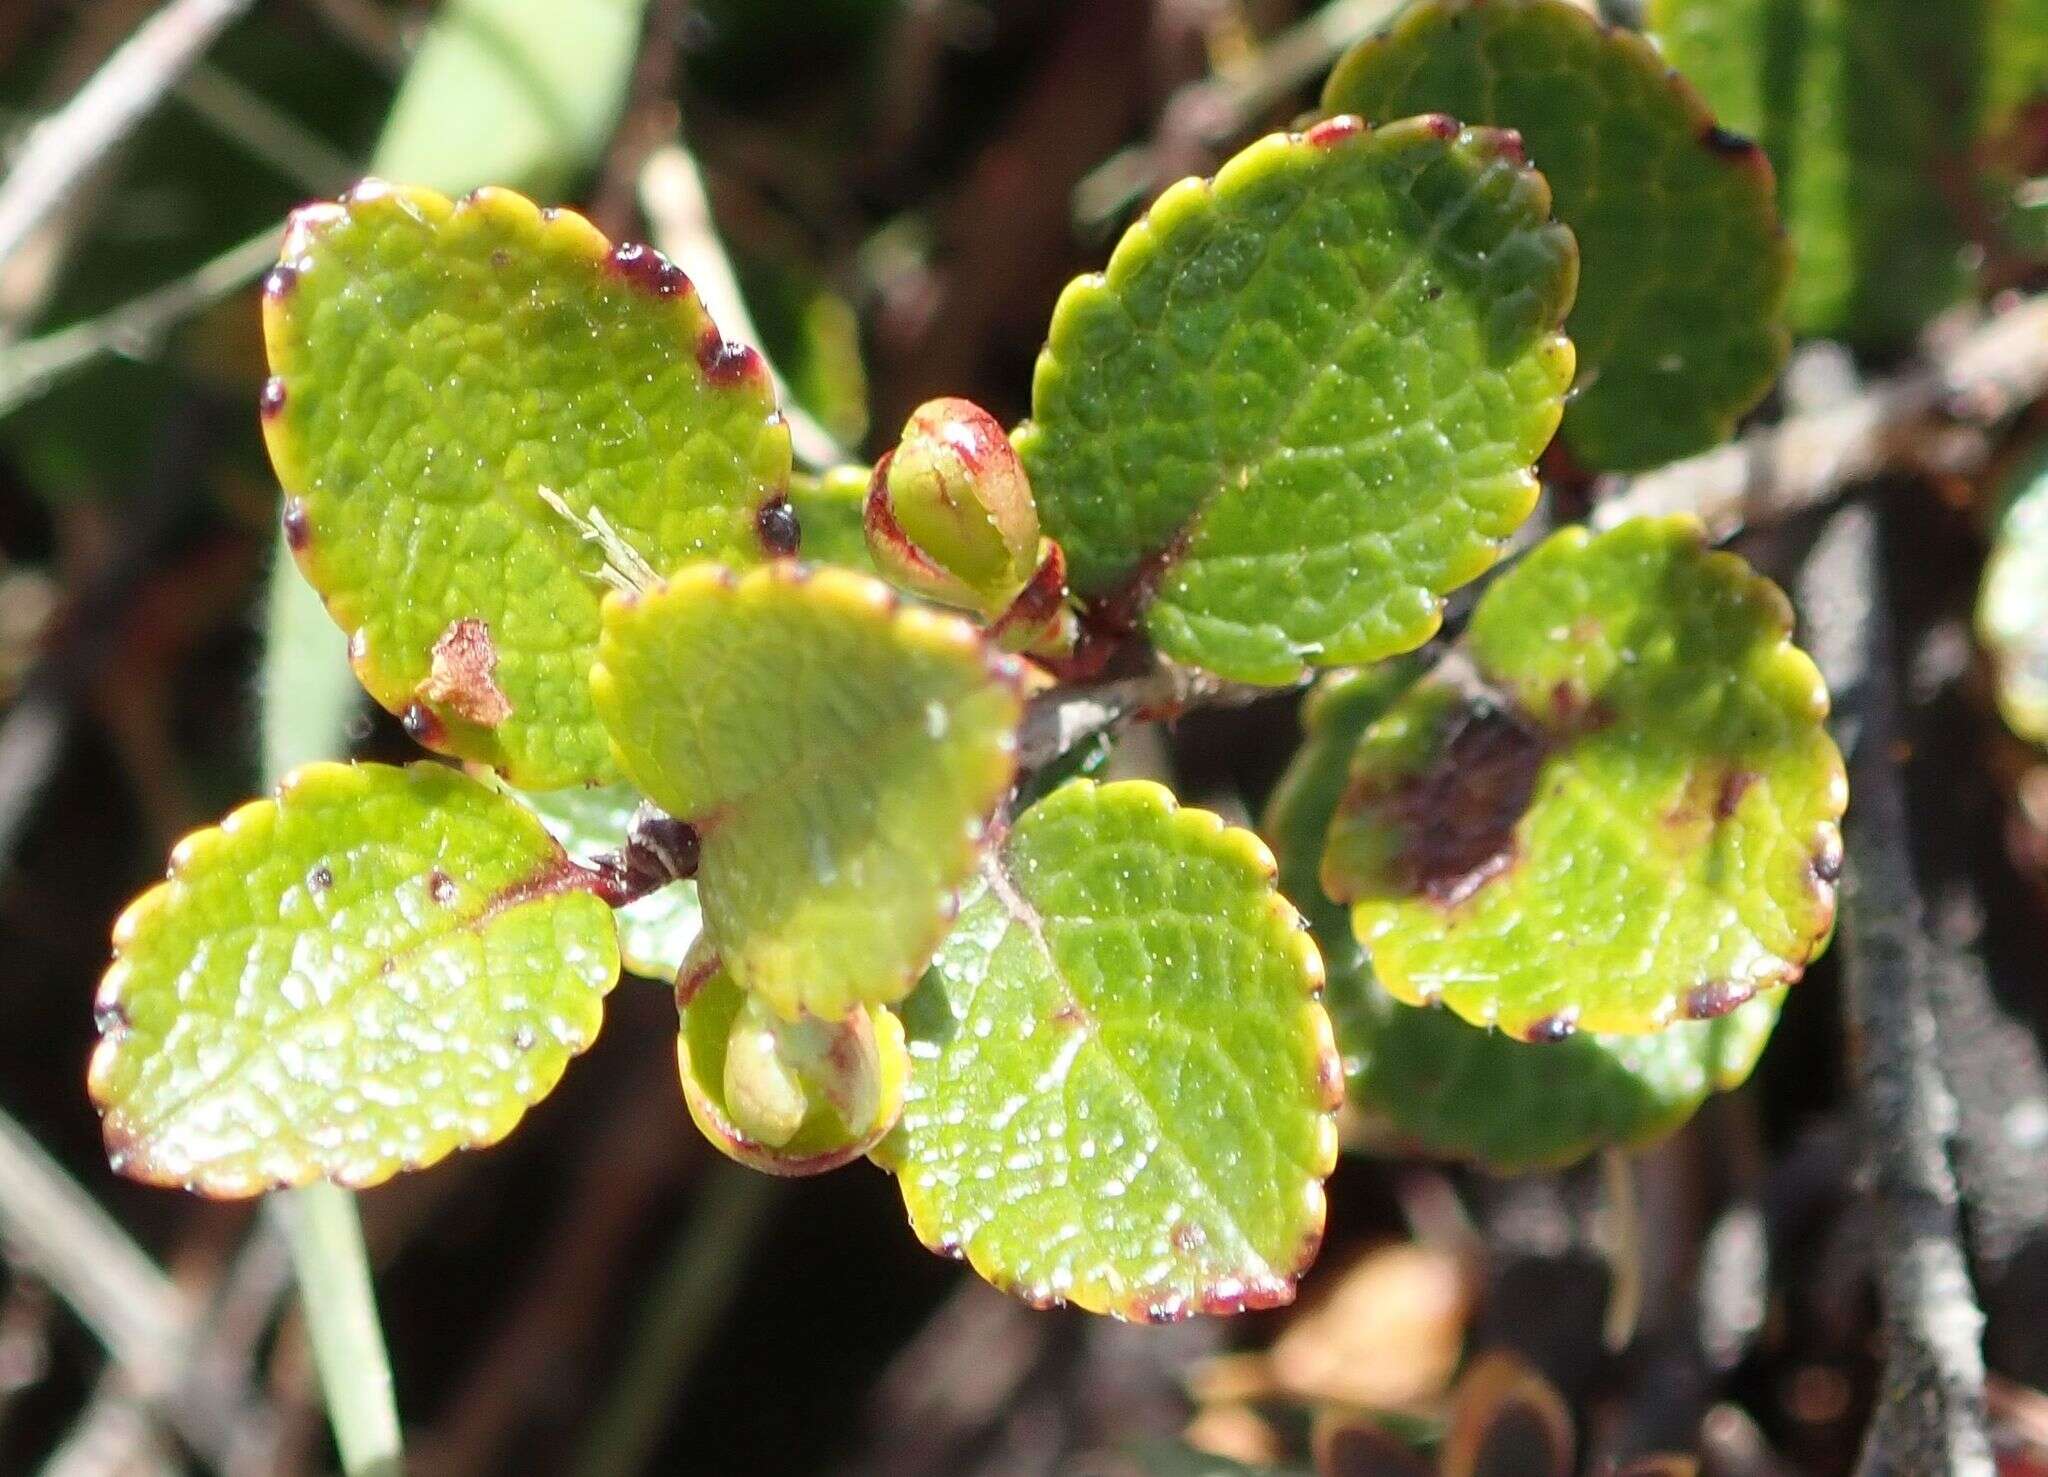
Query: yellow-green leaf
839, 754
1618, 809
373, 969
462, 391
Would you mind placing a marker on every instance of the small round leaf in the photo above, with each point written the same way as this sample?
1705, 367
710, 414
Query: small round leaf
825, 1139
1122, 1087
1302, 402
1430, 1081
839, 754
1678, 319
373, 969
2012, 608
1616, 811
1872, 112
442, 370
656, 931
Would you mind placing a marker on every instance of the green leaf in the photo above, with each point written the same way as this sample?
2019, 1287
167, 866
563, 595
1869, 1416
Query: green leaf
2012, 607
377, 967
829, 511
1122, 1088
839, 754
1428, 1080
1678, 319
443, 370
1617, 810
512, 90
1869, 111
655, 932
1303, 401
830, 1132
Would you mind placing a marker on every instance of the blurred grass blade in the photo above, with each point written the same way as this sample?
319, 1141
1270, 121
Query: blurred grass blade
513, 92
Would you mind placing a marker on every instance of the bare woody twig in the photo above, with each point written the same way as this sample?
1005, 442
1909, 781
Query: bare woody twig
66, 147
1204, 115
135, 329
1930, 1413
1930, 417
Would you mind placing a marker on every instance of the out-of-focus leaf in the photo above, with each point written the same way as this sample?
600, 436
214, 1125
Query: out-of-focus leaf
1302, 402
828, 511
1678, 322
511, 92
2012, 607
1872, 112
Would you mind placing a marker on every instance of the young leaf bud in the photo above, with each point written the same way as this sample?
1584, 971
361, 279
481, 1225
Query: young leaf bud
763, 1092
778, 1071
949, 510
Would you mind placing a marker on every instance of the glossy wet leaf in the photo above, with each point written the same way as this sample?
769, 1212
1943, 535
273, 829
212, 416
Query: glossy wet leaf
1425, 1079
1678, 323
1121, 1084
1302, 402
655, 933
2012, 608
437, 366
828, 1134
1618, 810
839, 754
1870, 111
377, 967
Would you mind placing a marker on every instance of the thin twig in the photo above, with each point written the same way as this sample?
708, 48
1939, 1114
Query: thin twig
1930, 1412
1930, 416
145, 1322
1205, 115
1059, 721
134, 330
678, 210
251, 121
326, 1236
74, 1245
65, 148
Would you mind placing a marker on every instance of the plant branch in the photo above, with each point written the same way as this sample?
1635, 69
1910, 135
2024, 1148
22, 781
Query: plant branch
64, 149
1933, 416
1930, 1413
133, 330
1207, 114
1059, 721
145, 1322
333, 1268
